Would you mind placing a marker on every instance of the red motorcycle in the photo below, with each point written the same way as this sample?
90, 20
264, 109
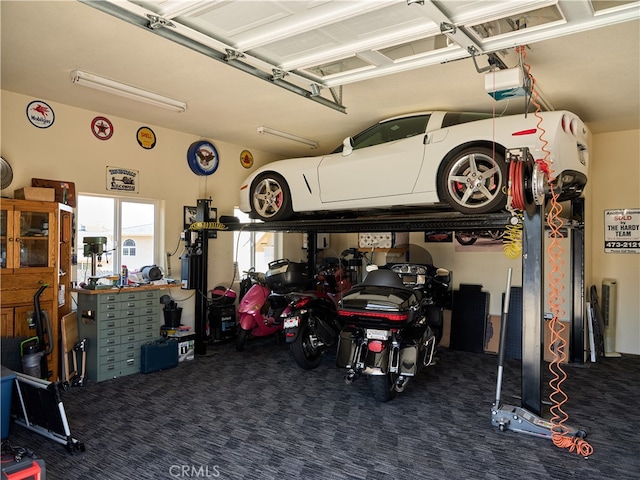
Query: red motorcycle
260, 309
312, 324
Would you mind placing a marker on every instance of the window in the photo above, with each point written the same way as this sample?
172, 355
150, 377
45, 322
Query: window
119, 231
390, 131
254, 249
129, 248
458, 118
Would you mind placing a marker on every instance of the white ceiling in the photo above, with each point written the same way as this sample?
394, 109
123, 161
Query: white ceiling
371, 58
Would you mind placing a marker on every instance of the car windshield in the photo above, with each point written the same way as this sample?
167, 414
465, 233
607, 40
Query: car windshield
390, 131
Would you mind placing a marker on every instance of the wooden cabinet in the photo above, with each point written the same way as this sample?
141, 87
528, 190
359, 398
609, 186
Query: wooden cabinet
35, 250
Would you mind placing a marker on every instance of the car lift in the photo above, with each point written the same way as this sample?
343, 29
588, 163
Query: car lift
527, 418
441, 218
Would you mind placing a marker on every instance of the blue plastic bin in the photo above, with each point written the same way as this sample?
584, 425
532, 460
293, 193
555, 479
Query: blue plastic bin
8, 378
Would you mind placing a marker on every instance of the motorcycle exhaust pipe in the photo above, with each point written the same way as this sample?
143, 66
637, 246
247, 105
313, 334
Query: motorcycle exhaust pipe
431, 349
401, 383
350, 377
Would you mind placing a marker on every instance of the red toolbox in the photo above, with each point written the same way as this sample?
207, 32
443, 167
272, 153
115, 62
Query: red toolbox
22, 468
159, 354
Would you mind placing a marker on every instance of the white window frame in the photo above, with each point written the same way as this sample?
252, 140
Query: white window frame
116, 257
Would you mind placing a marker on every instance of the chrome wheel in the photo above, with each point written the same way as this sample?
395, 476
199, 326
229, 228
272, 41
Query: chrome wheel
270, 198
474, 181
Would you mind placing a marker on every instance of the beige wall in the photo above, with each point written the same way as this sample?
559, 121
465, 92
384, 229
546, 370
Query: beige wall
69, 151
615, 178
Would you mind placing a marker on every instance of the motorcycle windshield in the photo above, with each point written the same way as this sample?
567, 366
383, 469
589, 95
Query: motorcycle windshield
408, 253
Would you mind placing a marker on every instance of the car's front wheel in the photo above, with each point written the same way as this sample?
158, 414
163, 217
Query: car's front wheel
474, 181
270, 197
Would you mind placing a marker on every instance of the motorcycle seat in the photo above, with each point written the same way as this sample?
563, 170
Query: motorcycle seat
383, 278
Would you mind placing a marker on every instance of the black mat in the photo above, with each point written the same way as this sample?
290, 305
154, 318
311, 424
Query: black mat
469, 315
256, 415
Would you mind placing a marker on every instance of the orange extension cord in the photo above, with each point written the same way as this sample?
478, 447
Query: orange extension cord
559, 432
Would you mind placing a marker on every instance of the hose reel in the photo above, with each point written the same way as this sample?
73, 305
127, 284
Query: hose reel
527, 180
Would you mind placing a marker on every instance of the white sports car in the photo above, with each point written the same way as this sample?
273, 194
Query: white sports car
456, 158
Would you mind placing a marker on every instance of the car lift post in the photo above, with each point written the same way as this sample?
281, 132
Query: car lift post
532, 310
533, 278
577, 352
201, 302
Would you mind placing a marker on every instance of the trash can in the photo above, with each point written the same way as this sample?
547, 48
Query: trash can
222, 314
8, 379
172, 316
172, 312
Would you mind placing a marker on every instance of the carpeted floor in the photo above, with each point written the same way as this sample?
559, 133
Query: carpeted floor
256, 415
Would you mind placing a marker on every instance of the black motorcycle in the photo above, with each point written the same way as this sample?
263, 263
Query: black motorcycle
311, 325
393, 323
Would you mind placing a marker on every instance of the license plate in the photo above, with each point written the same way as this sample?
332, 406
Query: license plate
292, 322
373, 334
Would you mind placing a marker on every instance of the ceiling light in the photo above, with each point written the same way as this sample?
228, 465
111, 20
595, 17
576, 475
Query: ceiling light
134, 93
288, 136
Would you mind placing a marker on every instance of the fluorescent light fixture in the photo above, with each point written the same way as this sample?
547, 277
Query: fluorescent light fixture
288, 136
134, 93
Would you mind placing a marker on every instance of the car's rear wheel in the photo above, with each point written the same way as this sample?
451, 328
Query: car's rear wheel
474, 180
270, 197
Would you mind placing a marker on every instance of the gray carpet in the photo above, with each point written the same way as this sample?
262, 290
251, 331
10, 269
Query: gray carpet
256, 415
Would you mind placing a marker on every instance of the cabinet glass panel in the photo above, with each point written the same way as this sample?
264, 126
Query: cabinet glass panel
34, 239
3, 239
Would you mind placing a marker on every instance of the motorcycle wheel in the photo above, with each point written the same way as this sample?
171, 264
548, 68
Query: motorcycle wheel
304, 354
241, 339
382, 387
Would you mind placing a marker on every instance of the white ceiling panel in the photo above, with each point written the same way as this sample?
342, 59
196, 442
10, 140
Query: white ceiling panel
370, 59
303, 38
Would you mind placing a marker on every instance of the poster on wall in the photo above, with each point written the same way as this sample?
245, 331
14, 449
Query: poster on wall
122, 180
622, 230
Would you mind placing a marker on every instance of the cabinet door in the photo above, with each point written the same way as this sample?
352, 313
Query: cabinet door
25, 240
34, 239
6, 322
64, 263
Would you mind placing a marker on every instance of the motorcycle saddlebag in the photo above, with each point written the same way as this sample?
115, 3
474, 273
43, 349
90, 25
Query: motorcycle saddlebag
284, 276
159, 355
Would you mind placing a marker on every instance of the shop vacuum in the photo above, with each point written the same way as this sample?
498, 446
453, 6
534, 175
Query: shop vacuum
34, 350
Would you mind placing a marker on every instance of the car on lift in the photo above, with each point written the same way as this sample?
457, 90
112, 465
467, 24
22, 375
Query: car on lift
420, 159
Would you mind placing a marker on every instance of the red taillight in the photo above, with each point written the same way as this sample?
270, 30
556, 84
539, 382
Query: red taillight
301, 302
394, 317
530, 131
565, 123
376, 346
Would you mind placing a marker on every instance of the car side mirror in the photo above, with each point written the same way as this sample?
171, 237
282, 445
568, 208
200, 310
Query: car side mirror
347, 146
